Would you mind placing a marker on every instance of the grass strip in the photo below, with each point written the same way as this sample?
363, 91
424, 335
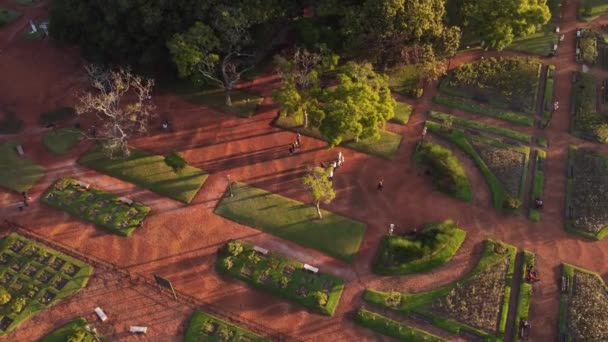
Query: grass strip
18, 173
389, 327
206, 327
458, 103
462, 122
538, 185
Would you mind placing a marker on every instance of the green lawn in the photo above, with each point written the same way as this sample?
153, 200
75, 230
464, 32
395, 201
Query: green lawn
36, 277
77, 326
204, 327
404, 79
99, 207
386, 147
454, 102
243, 103
540, 43
525, 295
62, 140
495, 130
7, 16
333, 235
400, 255
281, 276
591, 9
403, 111
388, 327
18, 173
149, 171
537, 185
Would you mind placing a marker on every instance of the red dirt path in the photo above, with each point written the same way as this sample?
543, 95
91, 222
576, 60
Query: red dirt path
180, 241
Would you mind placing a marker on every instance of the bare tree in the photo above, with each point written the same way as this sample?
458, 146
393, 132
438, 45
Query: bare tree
122, 102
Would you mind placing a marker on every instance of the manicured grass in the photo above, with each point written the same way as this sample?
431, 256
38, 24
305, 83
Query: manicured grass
402, 113
448, 173
591, 9
99, 207
243, 103
421, 303
454, 102
461, 122
208, 328
333, 235
404, 79
62, 140
548, 96
539, 43
388, 327
150, 172
7, 16
555, 7
280, 276
37, 275
525, 295
56, 116
386, 147
542, 142
18, 173
422, 253
538, 184
77, 326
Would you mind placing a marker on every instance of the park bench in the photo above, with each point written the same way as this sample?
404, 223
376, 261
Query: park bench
260, 250
565, 281
578, 33
524, 331
20, 150
102, 315
83, 185
311, 269
125, 200
138, 330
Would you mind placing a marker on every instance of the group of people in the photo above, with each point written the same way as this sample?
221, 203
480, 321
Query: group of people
296, 145
338, 162
25, 202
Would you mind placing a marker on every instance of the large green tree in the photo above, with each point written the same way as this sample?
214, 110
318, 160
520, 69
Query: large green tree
320, 187
497, 22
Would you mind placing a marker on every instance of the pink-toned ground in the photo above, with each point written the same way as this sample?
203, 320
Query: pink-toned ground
180, 241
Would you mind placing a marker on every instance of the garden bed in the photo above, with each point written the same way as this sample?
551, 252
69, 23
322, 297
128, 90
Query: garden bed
587, 122
477, 303
388, 327
538, 184
540, 43
30, 292
96, 206
587, 193
431, 248
458, 103
481, 127
333, 235
548, 96
76, 329
280, 276
205, 327
18, 173
525, 296
584, 307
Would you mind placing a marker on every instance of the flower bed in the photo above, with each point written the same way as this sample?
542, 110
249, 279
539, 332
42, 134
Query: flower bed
205, 327
587, 122
548, 96
388, 327
507, 164
287, 278
34, 277
96, 206
538, 184
587, 193
481, 127
525, 295
472, 107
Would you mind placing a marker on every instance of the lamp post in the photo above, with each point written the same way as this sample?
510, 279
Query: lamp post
229, 185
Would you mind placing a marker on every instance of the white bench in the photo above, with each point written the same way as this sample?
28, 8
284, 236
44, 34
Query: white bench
311, 268
138, 330
20, 150
125, 200
102, 315
83, 184
260, 250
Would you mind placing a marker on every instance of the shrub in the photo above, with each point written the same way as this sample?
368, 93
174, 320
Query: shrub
18, 305
228, 263
175, 161
235, 248
5, 296
225, 334
417, 93
283, 282
78, 336
588, 46
512, 203
253, 257
321, 297
393, 299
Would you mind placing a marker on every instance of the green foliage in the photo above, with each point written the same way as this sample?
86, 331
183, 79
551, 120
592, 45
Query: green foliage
512, 203
202, 326
321, 298
588, 47
175, 161
405, 79
5, 296
320, 187
235, 248
448, 174
587, 121
403, 111
62, 140
18, 173
469, 106
18, 304
77, 336
74, 331
388, 327
225, 334
228, 263
480, 127
590, 9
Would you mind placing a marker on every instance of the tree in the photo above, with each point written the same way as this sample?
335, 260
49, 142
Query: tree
217, 53
497, 22
320, 187
121, 101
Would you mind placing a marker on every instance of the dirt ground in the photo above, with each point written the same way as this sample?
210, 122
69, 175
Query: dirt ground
180, 241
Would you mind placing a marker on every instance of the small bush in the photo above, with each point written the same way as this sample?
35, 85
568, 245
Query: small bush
417, 93
512, 203
18, 305
253, 257
77, 336
320, 297
284, 282
208, 328
225, 334
393, 299
5, 296
228, 263
235, 248
175, 161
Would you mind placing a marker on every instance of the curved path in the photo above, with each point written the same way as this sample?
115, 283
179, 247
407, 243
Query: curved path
180, 241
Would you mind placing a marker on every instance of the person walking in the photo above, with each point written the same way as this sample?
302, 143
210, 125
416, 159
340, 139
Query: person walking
298, 139
340, 159
380, 184
291, 149
331, 174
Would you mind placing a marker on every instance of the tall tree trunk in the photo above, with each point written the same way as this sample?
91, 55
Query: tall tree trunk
318, 204
228, 100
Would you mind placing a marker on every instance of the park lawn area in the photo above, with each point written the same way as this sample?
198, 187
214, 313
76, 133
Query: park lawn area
470, 106
207, 328
478, 126
36, 277
96, 206
433, 247
62, 140
591, 9
587, 193
446, 170
295, 221
388, 327
281, 276
480, 299
77, 326
587, 122
583, 310
7, 16
243, 103
525, 295
538, 184
386, 147
548, 96
540, 43
150, 172
403, 111
405, 80
17, 173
